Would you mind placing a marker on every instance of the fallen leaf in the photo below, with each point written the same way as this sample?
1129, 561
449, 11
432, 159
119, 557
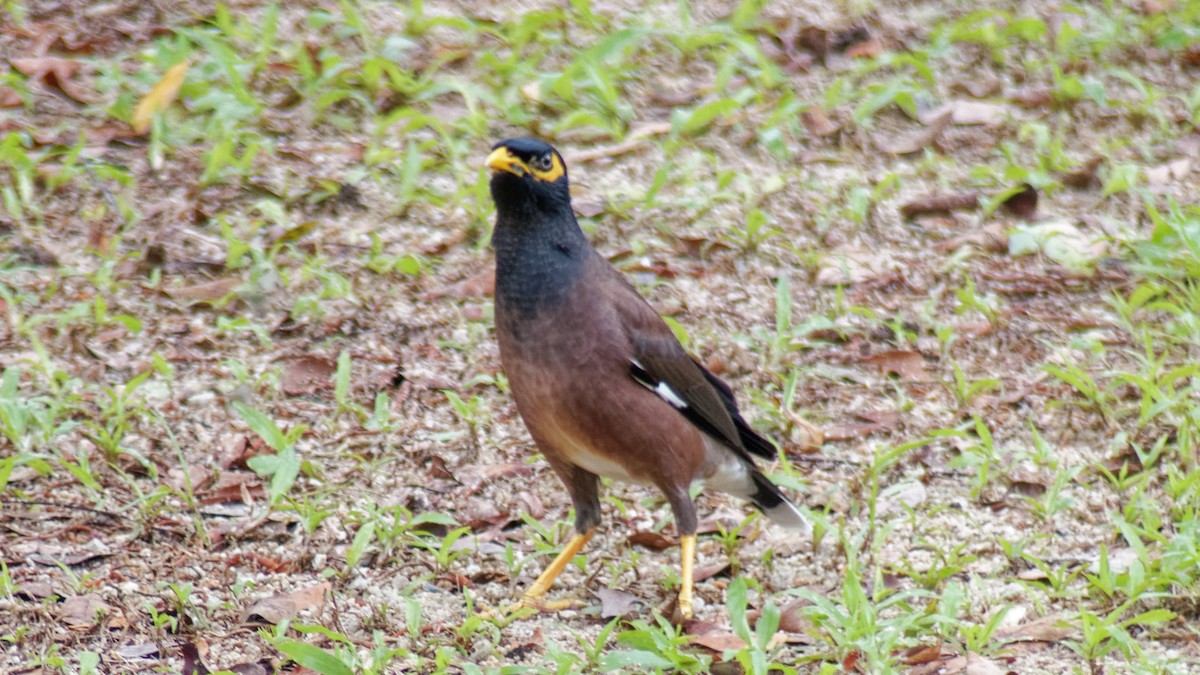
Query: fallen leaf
1028, 482
533, 505
1086, 175
866, 49
940, 203
915, 656
615, 603
916, 141
307, 374
192, 663
708, 571
718, 642
651, 540
233, 487
209, 291
1046, 629
34, 591
9, 98
138, 651
159, 98
818, 123
909, 366
276, 608
1033, 97
791, 618
535, 644
1023, 202
478, 285
83, 611
53, 71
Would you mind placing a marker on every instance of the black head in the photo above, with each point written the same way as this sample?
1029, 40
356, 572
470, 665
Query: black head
528, 174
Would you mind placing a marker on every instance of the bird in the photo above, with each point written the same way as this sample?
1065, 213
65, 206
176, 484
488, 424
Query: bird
601, 382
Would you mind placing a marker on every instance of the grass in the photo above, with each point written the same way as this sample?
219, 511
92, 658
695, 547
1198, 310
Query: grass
314, 189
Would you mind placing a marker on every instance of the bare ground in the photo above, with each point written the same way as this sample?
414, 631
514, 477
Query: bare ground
178, 507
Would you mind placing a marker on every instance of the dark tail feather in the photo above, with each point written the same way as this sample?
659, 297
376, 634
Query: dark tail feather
775, 505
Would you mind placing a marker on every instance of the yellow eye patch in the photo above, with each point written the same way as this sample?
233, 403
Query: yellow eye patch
504, 159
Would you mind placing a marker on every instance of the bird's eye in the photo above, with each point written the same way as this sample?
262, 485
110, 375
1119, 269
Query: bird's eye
543, 163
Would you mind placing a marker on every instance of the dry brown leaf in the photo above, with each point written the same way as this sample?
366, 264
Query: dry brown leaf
307, 374
615, 603
479, 285
53, 71
873, 420
83, 611
209, 291
532, 505
791, 618
703, 572
34, 591
718, 642
921, 654
192, 663
867, 49
1033, 97
159, 98
651, 540
1023, 203
1046, 629
940, 203
9, 98
909, 366
916, 141
233, 487
282, 606
1086, 176
818, 123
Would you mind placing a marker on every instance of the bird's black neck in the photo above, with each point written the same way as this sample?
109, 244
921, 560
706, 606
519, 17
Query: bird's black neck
539, 254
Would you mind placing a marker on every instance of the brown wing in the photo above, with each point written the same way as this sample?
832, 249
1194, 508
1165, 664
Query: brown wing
662, 365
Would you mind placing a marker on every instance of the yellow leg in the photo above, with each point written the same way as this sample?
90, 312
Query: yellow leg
533, 596
687, 549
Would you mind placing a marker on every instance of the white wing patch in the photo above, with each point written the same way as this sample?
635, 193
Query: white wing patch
666, 393
664, 390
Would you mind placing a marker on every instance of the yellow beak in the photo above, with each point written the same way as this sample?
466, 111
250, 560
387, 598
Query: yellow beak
502, 159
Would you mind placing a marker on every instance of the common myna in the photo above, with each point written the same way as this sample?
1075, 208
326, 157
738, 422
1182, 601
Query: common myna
599, 379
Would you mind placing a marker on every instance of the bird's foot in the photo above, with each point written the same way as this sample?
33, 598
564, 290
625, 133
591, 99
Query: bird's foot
541, 604
529, 606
